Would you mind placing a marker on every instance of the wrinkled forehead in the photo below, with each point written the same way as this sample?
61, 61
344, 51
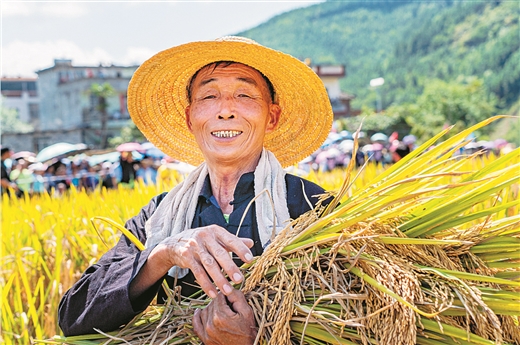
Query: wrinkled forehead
208, 69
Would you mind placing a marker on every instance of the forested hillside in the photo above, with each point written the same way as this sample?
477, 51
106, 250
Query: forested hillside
408, 43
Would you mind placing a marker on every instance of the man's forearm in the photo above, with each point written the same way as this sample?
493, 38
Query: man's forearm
152, 271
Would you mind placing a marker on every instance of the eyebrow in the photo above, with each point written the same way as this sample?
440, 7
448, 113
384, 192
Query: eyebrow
244, 79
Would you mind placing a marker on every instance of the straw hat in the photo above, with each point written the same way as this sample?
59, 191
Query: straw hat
157, 98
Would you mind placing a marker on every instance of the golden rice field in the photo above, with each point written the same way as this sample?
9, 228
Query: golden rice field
48, 242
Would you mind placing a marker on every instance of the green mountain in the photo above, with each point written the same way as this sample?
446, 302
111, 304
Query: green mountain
408, 43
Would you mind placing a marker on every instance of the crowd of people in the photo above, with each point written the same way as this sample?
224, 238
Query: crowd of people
24, 175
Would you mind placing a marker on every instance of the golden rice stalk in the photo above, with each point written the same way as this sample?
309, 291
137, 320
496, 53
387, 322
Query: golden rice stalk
427, 254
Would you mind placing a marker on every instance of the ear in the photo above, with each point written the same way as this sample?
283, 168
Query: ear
274, 117
188, 120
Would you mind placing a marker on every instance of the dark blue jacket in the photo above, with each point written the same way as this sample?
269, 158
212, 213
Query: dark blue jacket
100, 298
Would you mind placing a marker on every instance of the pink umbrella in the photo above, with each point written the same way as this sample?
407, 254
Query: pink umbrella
377, 147
322, 157
129, 147
23, 154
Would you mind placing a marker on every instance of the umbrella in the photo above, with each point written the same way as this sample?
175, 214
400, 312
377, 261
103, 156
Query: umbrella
39, 166
409, 139
379, 137
347, 146
106, 157
150, 150
129, 147
346, 135
377, 147
393, 136
147, 145
111, 157
154, 153
499, 143
23, 154
59, 150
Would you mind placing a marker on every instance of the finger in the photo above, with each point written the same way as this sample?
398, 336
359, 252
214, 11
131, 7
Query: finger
198, 326
221, 306
225, 262
248, 242
213, 263
237, 245
202, 278
239, 303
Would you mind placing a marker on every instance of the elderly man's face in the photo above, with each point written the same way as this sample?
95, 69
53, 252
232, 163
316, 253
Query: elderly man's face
230, 113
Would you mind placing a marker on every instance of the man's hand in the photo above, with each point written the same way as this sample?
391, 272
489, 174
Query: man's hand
205, 251
226, 321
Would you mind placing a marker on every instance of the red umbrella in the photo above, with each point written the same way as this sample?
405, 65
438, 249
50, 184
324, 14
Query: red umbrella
129, 147
393, 136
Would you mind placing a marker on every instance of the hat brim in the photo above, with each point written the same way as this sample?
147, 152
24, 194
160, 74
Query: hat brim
157, 98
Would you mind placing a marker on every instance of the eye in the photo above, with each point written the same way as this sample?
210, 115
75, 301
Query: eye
209, 97
243, 95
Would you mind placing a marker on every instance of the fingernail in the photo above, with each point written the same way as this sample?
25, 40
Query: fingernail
212, 294
227, 289
249, 257
237, 277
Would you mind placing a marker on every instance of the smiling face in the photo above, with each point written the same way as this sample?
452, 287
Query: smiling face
230, 113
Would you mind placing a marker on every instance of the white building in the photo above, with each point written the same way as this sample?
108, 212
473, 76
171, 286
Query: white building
69, 110
62, 108
330, 75
21, 94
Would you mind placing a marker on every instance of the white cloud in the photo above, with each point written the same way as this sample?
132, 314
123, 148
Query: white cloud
67, 9
24, 58
44, 9
15, 8
136, 55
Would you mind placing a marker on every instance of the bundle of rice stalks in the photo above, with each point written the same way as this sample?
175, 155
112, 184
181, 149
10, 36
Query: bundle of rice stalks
428, 254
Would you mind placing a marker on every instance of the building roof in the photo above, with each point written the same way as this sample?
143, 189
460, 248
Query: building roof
7, 79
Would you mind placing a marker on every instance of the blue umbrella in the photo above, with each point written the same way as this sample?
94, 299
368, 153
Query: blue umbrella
409, 139
106, 157
59, 150
154, 152
379, 137
111, 157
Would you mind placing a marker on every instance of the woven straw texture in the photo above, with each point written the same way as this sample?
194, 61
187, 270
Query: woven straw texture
157, 98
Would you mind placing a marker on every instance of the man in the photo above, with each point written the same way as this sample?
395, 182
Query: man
22, 175
240, 112
6, 182
127, 169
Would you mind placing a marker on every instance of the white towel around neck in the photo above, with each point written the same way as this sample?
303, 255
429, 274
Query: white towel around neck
177, 210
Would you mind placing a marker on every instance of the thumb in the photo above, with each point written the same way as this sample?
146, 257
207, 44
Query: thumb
238, 302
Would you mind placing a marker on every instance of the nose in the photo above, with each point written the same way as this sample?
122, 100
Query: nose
227, 108
226, 116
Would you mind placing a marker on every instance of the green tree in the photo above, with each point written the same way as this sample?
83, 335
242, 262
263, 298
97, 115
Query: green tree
102, 92
129, 133
10, 122
513, 132
371, 122
462, 103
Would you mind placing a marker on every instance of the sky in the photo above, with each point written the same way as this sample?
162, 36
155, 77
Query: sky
34, 33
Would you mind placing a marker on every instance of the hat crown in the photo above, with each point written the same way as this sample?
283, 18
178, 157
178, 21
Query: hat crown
236, 39
157, 98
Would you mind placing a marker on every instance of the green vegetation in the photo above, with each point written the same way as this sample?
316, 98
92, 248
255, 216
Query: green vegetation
425, 51
10, 121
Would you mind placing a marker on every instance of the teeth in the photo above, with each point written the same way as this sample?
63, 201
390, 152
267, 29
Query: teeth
226, 134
